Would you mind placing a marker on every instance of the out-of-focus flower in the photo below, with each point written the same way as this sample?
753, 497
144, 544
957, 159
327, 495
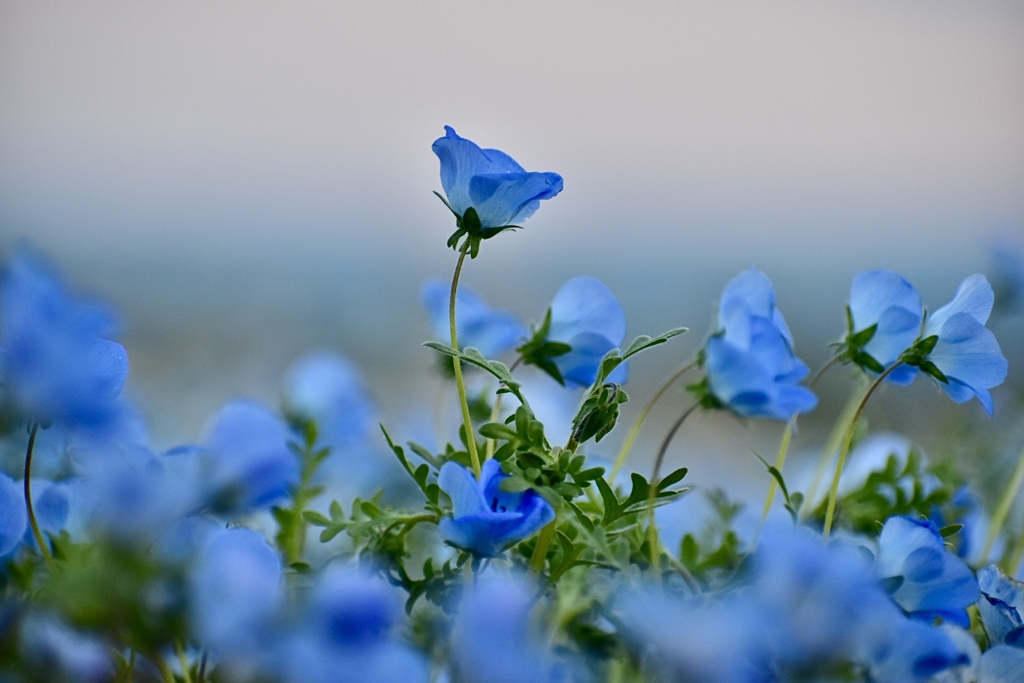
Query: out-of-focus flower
909, 651
13, 515
1001, 664
485, 520
235, 593
250, 464
345, 634
489, 181
751, 367
586, 316
491, 331
327, 388
887, 302
56, 363
1006, 260
1001, 606
967, 352
923, 578
56, 652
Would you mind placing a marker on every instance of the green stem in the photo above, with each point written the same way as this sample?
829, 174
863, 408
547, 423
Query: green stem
183, 660
1003, 509
36, 533
652, 529
165, 670
844, 449
830, 448
540, 551
1016, 555
780, 460
627, 445
496, 414
474, 458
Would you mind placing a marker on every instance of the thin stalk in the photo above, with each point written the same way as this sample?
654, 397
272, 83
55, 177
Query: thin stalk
652, 529
496, 413
1016, 556
780, 460
627, 445
1003, 508
165, 671
474, 457
36, 533
186, 674
831, 446
844, 449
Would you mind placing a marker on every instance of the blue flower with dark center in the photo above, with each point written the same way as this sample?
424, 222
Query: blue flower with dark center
489, 181
751, 367
485, 520
967, 352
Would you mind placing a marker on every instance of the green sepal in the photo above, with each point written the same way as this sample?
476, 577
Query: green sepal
598, 414
860, 339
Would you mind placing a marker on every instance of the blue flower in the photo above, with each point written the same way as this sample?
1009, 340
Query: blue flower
326, 387
492, 332
751, 367
924, 578
491, 182
485, 519
885, 299
967, 352
586, 316
250, 463
1001, 606
13, 516
56, 363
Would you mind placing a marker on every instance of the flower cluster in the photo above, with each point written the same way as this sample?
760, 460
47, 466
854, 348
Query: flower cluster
305, 545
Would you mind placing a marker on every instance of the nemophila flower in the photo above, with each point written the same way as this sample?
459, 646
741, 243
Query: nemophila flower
54, 651
500, 192
887, 311
485, 520
56, 363
1001, 606
907, 651
250, 464
328, 388
751, 367
586, 316
1001, 664
491, 331
13, 515
235, 593
52, 506
345, 634
923, 578
966, 352
1006, 261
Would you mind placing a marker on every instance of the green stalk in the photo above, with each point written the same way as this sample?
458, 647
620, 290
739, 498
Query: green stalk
652, 529
1003, 510
36, 533
474, 457
780, 460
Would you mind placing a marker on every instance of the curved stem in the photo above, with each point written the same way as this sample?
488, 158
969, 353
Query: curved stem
474, 458
844, 449
1003, 508
36, 533
835, 436
627, 445
652, 529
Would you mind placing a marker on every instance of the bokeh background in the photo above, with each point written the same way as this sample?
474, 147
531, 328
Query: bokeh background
247, 181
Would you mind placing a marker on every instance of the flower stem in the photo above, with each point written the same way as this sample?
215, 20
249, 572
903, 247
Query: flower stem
627, 445
496, 413
830, 448
474, 458
780, 460
844, 449
1003, 508
652, 529
36, 533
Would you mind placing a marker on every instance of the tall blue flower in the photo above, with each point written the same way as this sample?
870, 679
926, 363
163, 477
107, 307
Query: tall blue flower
56, 363
967, 352
485, 520
491, 331
489, 181
751, 367
887, 302
586, 316
924, 578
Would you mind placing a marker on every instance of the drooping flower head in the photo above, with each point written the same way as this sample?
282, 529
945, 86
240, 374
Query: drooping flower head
498, 190
966, 352
886, 310
491, 331
485, 520
56, 363
751, 367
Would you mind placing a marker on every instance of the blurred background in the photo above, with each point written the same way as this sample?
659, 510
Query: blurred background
247, 181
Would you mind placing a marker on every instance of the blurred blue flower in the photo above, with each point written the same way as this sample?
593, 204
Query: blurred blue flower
751, 367
1001, 664
13, 515
490, 181
586, 316
235, 593
886, 299
52, 507
967, 352
490, 331
921, 575
1006, 259
250, 464
328, 388
55, 361
1001, 606
485, 519
904, 650
56, 652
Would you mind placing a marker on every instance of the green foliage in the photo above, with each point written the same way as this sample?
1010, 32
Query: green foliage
291, 522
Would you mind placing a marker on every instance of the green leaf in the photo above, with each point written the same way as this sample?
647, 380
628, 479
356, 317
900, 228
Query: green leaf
950, 530
315, 518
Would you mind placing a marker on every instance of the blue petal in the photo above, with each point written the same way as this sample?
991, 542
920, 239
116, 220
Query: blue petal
463, 488
13, 516
973, 297
586, 305
462, 159
508, 198
754, 289
1001, 664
